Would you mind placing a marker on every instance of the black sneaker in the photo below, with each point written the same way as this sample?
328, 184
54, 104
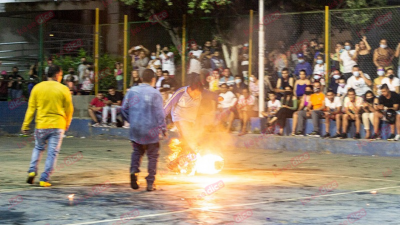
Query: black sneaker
376, 137
391, 137
299, 133
134, 181
327, 135
337, 136
151, 187
314, 134
344, 136
357, 136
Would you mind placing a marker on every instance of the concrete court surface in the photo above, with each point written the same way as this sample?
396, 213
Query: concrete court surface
249, 187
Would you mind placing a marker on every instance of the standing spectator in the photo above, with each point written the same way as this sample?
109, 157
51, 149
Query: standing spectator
88, 80
333, 112
383, 55
280, 61
254, 91
369, 109
71, 80
227, 78
194, 59
319, 68
33, 78
135, 79
352, 112
301, 84
159, 78
388, 101
119, 76
16, 84
397, 54
334, 84
225, 106
364, 57
336, 57
347, 58
3, 86
168, 86
52, 103
238, 86
319, 51
378, 81
141, 63
284, 81
302, 65
244, 62
245, 107
205, 60
82, 70
359, 81
134, 53
46, 69
154, 63
113, 107
217, 63
392, 82
96, 108
215, 47
303, 106
308, 55
289, 106
316, 107
146, 119
167, 60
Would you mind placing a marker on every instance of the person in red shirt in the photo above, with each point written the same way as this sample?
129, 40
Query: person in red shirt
96, 108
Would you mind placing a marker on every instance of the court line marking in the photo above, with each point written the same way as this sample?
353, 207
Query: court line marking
236, 205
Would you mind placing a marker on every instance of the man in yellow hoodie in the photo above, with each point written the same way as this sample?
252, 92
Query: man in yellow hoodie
52, 103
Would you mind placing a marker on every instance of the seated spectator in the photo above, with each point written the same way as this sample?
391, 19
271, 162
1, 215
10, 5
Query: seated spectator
33, 78
378, 81
154, 63
342, 88
389, 101
334, 84
238, 86
347, 58
254, 91
335, 56
245, 108
302, 65
214, 81
359, 81
227, 78
352, 110
284, 81
333, 111
392, 82
273, 106
304, 102
370, 102
320, 68
225, 113
317, 104
289, 106
135, 79
3, 86
383, 55
119, 76
113, 106
96, 108
301, 84
217, 63
159, 79
88, 80
168, 86
320, 79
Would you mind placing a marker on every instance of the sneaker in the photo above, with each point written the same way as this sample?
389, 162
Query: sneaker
31, 177
44, 184
337, 136
357, 136
299, 133
327, 135
151, 187
96, 125
134, 181
104, 125
125, 126
397, 137
344, 136
376, 137
391, 137
314, 134
113, 125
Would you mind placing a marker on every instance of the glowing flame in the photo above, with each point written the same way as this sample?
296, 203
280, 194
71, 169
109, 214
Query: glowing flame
209, 164
71, 197
175, 148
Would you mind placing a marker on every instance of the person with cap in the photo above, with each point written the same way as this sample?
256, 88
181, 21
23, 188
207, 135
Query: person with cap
302, 65
386, 108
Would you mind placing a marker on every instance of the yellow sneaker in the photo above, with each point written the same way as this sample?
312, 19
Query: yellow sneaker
31, 177
44, 184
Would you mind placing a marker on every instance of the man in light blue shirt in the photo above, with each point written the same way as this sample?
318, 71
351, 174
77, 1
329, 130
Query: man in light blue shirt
143, 109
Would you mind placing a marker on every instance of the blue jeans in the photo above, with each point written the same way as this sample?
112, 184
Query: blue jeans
152, 156
54, 138
120, 84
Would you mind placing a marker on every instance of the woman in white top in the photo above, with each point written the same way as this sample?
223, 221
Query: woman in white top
392, 81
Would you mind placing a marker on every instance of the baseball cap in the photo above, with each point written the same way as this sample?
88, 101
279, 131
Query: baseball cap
300, 55
3, 72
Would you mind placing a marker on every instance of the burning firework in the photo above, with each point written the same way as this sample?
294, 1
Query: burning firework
189, 162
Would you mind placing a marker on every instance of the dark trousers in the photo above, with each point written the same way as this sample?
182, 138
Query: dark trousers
302, 117
152, 155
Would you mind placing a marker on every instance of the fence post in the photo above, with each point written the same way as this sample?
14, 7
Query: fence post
125, 51
250, 47
327, 46
96, 53
40, 72
183, 50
